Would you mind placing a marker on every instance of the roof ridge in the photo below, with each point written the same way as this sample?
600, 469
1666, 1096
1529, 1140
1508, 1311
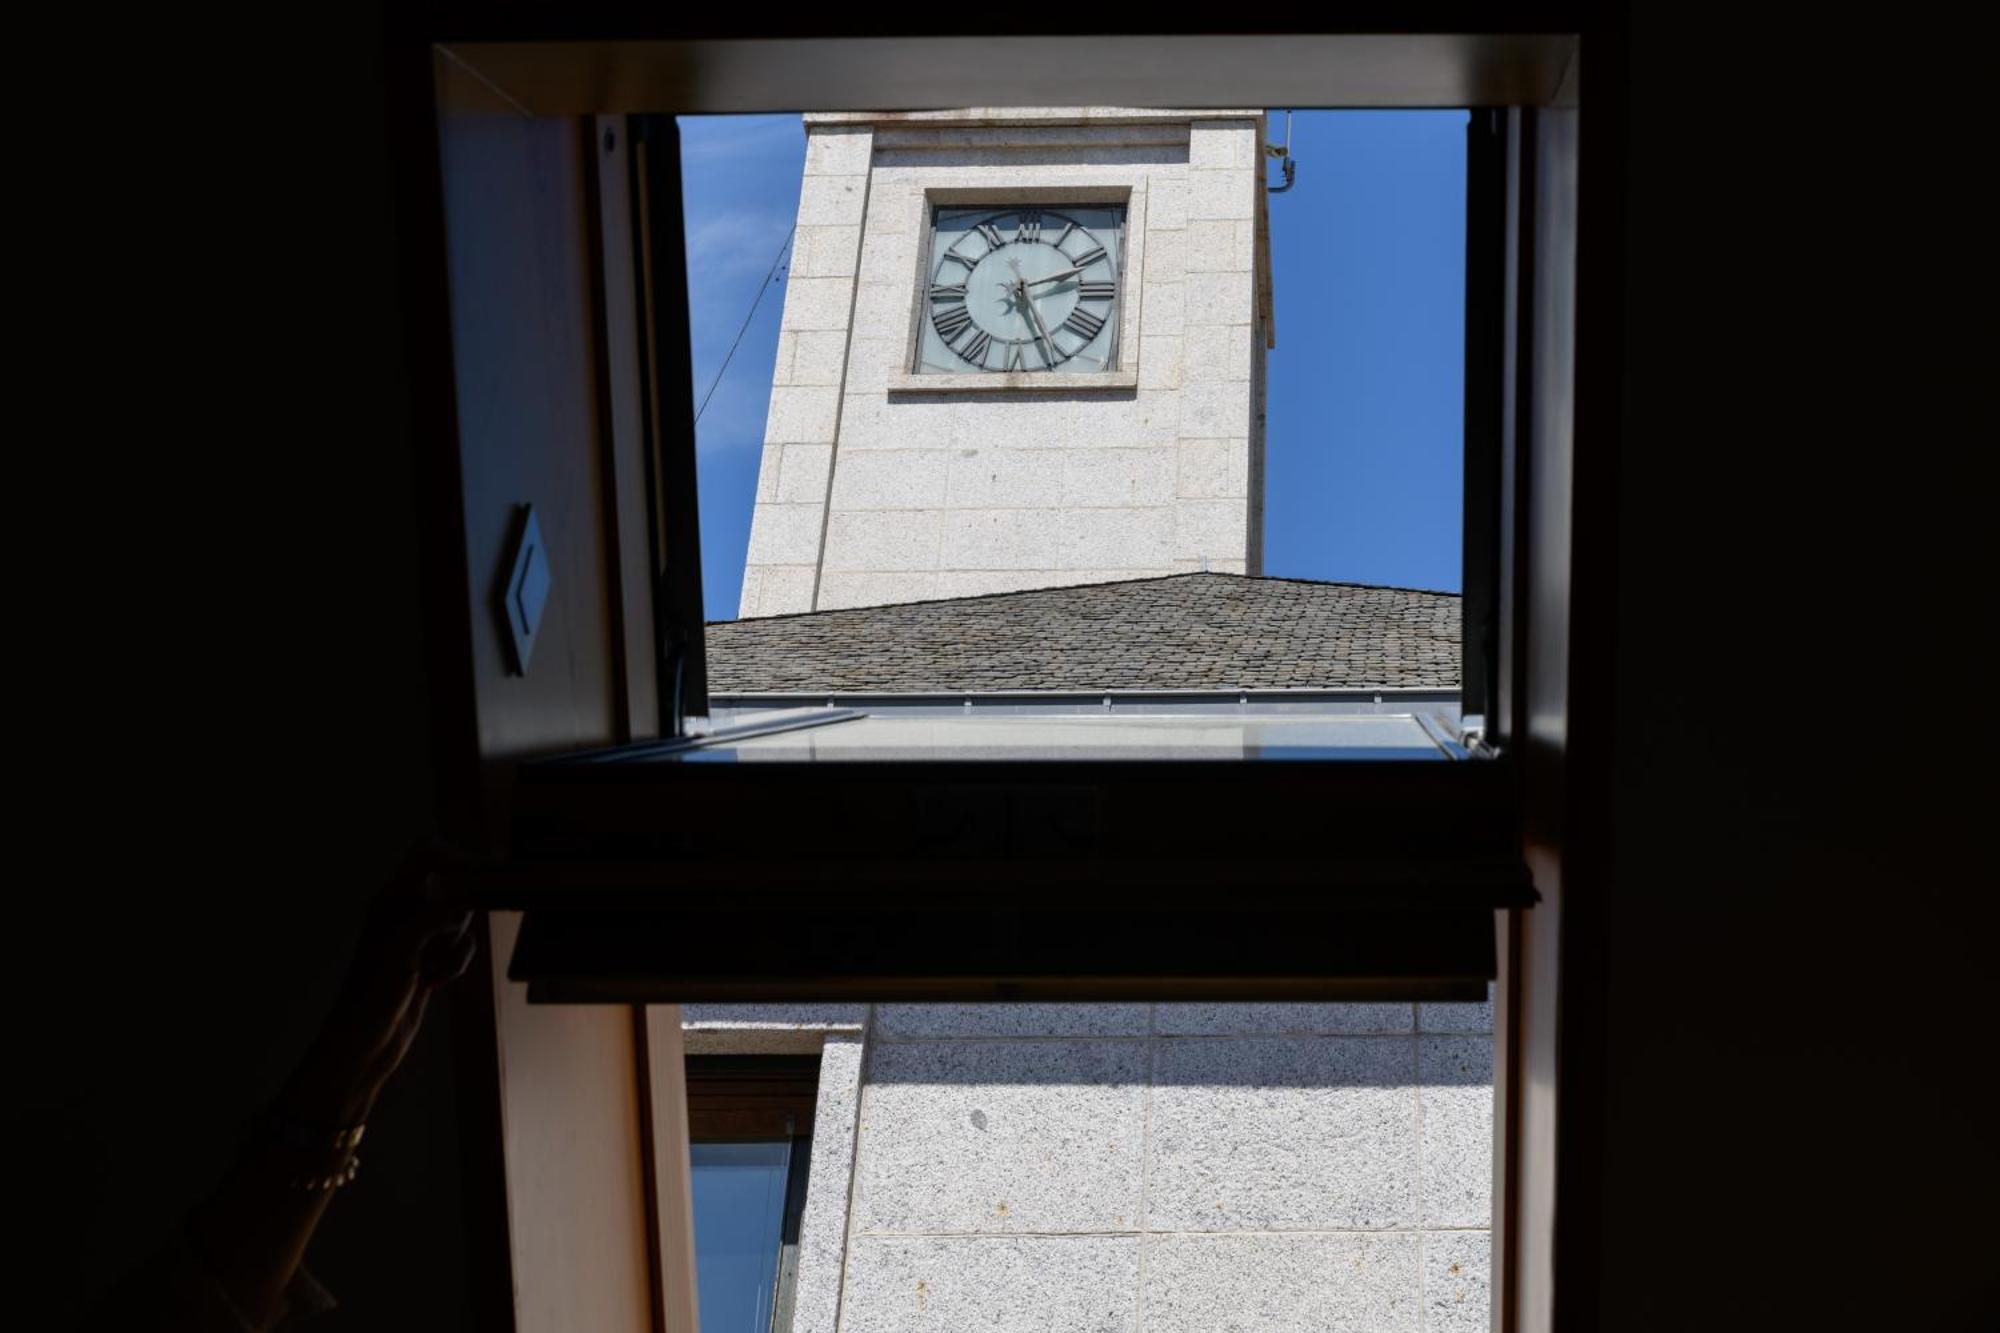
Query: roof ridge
1330, 583
1101, 583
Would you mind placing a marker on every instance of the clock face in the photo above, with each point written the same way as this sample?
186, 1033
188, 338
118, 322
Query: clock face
1023, 290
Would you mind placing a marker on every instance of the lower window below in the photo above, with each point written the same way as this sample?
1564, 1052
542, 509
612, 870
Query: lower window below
750, 1131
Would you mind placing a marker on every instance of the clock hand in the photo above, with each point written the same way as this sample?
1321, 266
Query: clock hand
1056, 277
1048, 343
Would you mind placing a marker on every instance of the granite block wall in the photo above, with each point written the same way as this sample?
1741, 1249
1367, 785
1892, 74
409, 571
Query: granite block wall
1141, 1168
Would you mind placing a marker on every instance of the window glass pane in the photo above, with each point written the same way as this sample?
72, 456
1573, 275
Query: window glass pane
1023, 738
739, 1211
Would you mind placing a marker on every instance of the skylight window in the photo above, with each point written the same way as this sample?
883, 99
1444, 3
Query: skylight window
852, 457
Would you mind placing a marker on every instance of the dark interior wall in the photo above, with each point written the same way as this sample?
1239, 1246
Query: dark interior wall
1797, 952
222, 704
222, 698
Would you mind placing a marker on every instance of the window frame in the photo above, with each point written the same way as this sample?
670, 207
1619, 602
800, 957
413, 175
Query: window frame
761, 1099
1552, 694
1382, 808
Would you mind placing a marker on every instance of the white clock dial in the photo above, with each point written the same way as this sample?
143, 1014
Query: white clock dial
1022, 290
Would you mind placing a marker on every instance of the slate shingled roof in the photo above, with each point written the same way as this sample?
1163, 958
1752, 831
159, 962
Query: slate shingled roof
1180, 632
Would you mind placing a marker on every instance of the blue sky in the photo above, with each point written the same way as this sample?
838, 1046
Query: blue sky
1363, 436
740, 183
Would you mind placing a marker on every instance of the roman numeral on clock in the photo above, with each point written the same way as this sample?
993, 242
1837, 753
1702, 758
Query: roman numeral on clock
1096, 291
1085, 261
975, 351
1065, 235
959, 258
1084, 324
951, 321
1030, 228
1015, 361
992, 234
945, 292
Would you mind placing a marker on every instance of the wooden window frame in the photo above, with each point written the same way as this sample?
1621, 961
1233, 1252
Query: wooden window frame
741, 1098
1551, 694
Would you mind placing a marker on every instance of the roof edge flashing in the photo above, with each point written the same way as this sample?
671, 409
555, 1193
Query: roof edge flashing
1262, 694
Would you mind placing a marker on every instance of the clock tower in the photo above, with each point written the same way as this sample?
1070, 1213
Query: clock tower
1020, 348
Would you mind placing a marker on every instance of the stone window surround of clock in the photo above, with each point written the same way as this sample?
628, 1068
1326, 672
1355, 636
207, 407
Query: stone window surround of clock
1129, 193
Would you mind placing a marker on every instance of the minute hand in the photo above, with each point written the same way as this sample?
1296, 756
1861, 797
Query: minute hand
1056, 277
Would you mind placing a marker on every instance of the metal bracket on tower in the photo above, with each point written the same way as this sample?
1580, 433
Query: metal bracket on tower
1282, 152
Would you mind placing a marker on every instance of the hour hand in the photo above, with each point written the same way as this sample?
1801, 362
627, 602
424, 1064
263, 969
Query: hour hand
1048, 343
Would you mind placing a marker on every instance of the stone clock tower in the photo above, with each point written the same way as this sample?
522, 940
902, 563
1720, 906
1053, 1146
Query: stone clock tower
1020, 348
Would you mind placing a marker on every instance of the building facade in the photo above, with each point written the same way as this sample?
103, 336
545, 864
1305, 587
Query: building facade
1126, 1168
959, 406
1011, 492
1136, 1168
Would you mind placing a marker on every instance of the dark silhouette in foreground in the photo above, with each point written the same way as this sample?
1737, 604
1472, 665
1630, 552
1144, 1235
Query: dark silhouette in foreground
237, 1264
